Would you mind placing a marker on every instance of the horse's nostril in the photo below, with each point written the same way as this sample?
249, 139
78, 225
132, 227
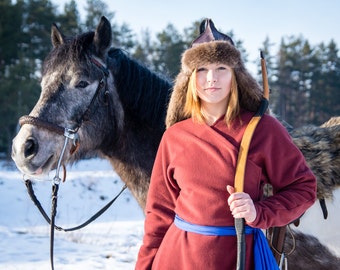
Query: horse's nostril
31, 148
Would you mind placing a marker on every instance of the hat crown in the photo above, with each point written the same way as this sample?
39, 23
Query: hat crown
208, 32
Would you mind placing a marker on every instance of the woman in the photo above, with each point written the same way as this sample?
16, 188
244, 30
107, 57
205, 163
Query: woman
191, 189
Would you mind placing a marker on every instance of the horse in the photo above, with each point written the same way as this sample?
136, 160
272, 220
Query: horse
119, 103
110, 106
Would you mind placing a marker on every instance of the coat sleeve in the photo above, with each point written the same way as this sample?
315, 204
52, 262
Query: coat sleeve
160, 205
285, 168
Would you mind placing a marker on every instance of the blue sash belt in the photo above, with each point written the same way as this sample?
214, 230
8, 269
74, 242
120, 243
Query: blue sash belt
263, 256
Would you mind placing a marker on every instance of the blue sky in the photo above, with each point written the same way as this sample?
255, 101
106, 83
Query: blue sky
252, 21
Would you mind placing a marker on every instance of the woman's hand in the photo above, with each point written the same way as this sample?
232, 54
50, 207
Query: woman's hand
241, 205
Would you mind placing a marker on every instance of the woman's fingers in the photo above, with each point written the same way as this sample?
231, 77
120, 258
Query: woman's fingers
230, 189
241, 205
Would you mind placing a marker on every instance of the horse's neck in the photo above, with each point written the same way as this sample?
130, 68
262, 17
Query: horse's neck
135, 179
144, 96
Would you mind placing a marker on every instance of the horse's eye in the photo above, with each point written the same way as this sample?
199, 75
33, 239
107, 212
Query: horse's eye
82, 84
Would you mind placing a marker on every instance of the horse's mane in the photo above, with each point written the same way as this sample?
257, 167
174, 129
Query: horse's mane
141, 90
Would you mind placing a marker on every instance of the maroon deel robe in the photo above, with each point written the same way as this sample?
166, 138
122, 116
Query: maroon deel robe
193, 166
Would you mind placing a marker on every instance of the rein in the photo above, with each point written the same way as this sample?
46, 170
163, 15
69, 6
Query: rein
31, 193
69, 134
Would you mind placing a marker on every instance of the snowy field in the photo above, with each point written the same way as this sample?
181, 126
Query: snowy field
113, 240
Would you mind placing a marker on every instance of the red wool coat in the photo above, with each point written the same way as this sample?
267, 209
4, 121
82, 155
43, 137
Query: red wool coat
193, 166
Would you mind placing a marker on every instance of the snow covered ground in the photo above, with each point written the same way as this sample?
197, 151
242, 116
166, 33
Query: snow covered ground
113, 240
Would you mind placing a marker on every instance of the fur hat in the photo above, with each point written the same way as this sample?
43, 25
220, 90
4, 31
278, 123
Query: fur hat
212, 47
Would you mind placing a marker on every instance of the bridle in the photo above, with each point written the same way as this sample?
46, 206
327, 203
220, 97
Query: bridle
70, 134
27, 119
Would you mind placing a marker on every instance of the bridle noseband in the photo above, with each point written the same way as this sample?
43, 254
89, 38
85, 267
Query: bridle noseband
69, 134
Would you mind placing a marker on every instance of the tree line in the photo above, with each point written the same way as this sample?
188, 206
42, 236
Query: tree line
304, 78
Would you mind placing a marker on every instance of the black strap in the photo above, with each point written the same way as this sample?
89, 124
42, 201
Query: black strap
54, 205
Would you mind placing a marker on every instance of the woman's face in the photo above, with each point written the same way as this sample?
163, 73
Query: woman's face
213, 83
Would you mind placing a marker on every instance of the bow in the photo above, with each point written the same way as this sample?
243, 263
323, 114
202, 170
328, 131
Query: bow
241, 164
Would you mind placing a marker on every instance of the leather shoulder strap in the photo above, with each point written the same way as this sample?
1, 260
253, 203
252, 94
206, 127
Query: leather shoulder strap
243, 153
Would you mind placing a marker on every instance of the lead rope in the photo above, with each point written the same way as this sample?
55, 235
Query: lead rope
69, 134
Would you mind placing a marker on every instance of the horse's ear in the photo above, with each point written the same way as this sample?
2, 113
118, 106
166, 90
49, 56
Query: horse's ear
102, 37
57, 37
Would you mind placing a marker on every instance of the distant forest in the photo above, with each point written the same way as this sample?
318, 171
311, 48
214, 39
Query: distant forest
304, 78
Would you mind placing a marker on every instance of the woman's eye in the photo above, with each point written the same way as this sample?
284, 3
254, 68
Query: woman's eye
82, 84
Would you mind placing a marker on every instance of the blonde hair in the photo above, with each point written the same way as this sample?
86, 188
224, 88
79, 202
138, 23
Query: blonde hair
192, 107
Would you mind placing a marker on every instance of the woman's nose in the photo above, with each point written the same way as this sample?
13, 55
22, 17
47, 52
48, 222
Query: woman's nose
211, 76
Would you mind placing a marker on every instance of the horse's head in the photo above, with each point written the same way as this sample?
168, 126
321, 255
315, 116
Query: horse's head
76, 91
